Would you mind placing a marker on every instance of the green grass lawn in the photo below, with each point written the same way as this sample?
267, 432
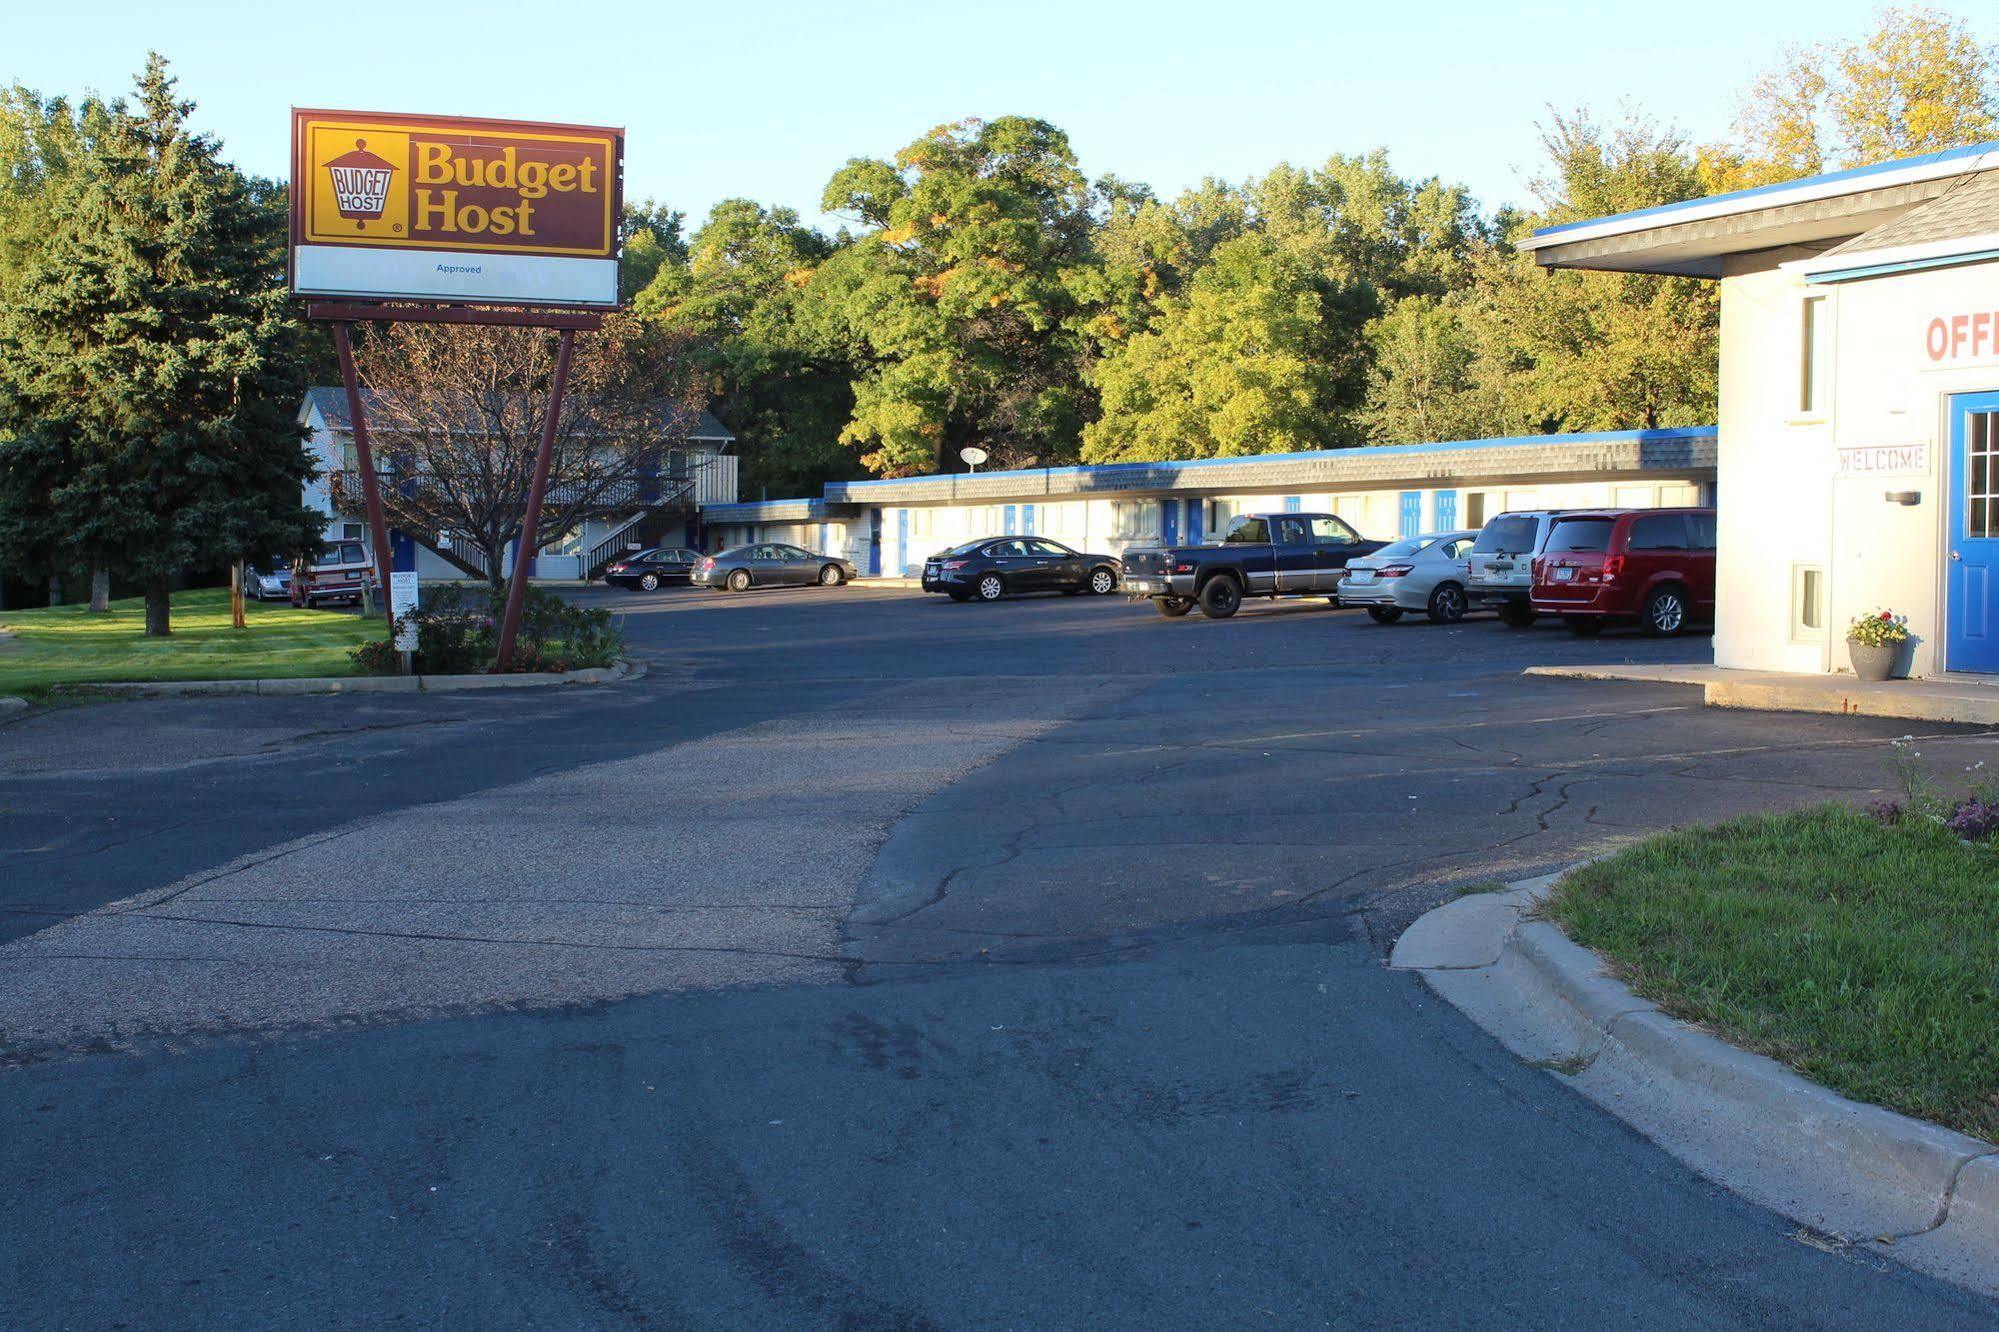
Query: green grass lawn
1864, 956
69, 645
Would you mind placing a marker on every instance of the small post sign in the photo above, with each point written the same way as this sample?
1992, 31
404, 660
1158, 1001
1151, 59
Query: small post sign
450, 208
402, 601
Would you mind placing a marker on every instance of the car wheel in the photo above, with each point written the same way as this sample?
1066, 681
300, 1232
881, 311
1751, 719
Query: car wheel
1584, 626
1384, 614
650, 582
739, 580
1447, 604
1220, 597
1103, 582
1516, 616
1665, 612
830, 576
1172, 607
991, 587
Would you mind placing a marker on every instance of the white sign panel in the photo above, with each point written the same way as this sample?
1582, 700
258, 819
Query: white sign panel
402, 601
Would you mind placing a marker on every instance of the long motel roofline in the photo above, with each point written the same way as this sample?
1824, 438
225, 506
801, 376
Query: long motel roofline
1595, 455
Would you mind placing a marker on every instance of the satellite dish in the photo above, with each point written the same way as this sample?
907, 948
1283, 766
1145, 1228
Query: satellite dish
972, 456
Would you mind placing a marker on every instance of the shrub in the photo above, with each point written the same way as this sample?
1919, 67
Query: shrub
458, 631
377, 656
1975, 819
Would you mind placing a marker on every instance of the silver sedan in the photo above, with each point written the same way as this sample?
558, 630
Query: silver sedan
1423, 573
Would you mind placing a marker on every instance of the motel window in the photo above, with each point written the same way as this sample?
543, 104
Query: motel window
1813, 359
1807, 602
1475, 509
350, 531
1981, 465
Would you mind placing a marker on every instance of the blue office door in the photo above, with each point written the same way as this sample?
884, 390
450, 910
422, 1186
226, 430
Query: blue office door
1169, 522
1027, 520
1196, 521
901, 540
1412, 512
1447, 510
402, 553
1293, 503
874, 543
1971, 565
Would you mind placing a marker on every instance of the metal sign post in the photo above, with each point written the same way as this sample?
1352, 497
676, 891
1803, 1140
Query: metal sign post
517, 587
371, 489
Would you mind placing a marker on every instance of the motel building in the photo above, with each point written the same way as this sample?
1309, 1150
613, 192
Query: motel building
888, 527
1859, 421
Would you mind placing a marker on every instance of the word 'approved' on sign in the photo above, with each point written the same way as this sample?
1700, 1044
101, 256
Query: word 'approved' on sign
449, 208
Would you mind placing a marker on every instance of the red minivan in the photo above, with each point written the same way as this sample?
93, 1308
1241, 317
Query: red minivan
1654, 566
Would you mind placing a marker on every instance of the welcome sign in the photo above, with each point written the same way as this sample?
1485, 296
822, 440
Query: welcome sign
454, 209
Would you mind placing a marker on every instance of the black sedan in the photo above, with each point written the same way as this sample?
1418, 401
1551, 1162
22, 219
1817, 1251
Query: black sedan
650, 568
991, 567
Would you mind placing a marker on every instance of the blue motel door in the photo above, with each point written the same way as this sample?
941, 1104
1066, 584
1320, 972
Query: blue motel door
1971, 559
1169, 522
1412, 513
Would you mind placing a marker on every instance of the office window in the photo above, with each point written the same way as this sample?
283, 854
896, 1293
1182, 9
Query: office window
1814, 363
1807, 602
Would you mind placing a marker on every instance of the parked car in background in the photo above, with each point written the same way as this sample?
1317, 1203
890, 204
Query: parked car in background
1654, 566
338, 574
1500, 573
273, 584
1424, 573
992, 567
648, 569
770, 564
1260, 555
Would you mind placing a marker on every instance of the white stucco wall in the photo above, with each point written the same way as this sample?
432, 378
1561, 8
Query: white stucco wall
1809, 490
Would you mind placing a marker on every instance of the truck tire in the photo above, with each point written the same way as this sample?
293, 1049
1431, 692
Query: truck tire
1172, 607
1220, 597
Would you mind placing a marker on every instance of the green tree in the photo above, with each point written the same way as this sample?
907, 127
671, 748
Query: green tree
650, 236
1562, 350
956, 297
149, 370
1251, 360
1917, 82
774, 359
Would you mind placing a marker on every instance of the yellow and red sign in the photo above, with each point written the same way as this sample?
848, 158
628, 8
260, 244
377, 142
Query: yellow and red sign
526, 212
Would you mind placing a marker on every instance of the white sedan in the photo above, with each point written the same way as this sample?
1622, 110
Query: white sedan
267, 584
1423, 573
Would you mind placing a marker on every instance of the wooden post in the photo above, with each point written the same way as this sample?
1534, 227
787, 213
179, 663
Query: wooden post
517, 588
236, 595
371, 490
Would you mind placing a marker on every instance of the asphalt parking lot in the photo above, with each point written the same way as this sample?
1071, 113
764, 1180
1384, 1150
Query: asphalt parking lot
875, 960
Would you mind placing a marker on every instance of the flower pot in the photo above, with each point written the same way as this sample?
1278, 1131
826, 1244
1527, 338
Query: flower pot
1874, 661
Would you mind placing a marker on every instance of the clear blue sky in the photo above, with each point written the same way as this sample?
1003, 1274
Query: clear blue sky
766, 100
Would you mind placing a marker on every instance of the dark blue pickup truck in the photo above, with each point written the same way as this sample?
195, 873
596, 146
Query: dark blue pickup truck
1260, 555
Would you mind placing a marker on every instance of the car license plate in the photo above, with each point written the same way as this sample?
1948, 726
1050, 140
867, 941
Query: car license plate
1362, 575
1565, 575
1141, 585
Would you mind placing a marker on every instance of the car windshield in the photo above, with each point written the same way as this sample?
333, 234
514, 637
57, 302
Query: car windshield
1507, 533
1589, 535
1402, 550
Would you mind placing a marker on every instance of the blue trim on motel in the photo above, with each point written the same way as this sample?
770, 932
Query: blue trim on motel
1830, 177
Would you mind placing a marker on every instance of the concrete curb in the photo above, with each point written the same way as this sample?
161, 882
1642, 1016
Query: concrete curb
1858, 1173
355, 684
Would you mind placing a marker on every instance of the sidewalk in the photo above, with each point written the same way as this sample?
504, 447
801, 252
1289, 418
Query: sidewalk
1975, 702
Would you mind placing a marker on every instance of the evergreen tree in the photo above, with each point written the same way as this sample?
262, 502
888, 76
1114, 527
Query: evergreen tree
149, 367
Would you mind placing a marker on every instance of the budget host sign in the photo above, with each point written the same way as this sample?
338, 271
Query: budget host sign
446, 208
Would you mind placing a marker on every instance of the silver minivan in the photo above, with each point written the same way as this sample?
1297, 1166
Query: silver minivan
1500, 575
